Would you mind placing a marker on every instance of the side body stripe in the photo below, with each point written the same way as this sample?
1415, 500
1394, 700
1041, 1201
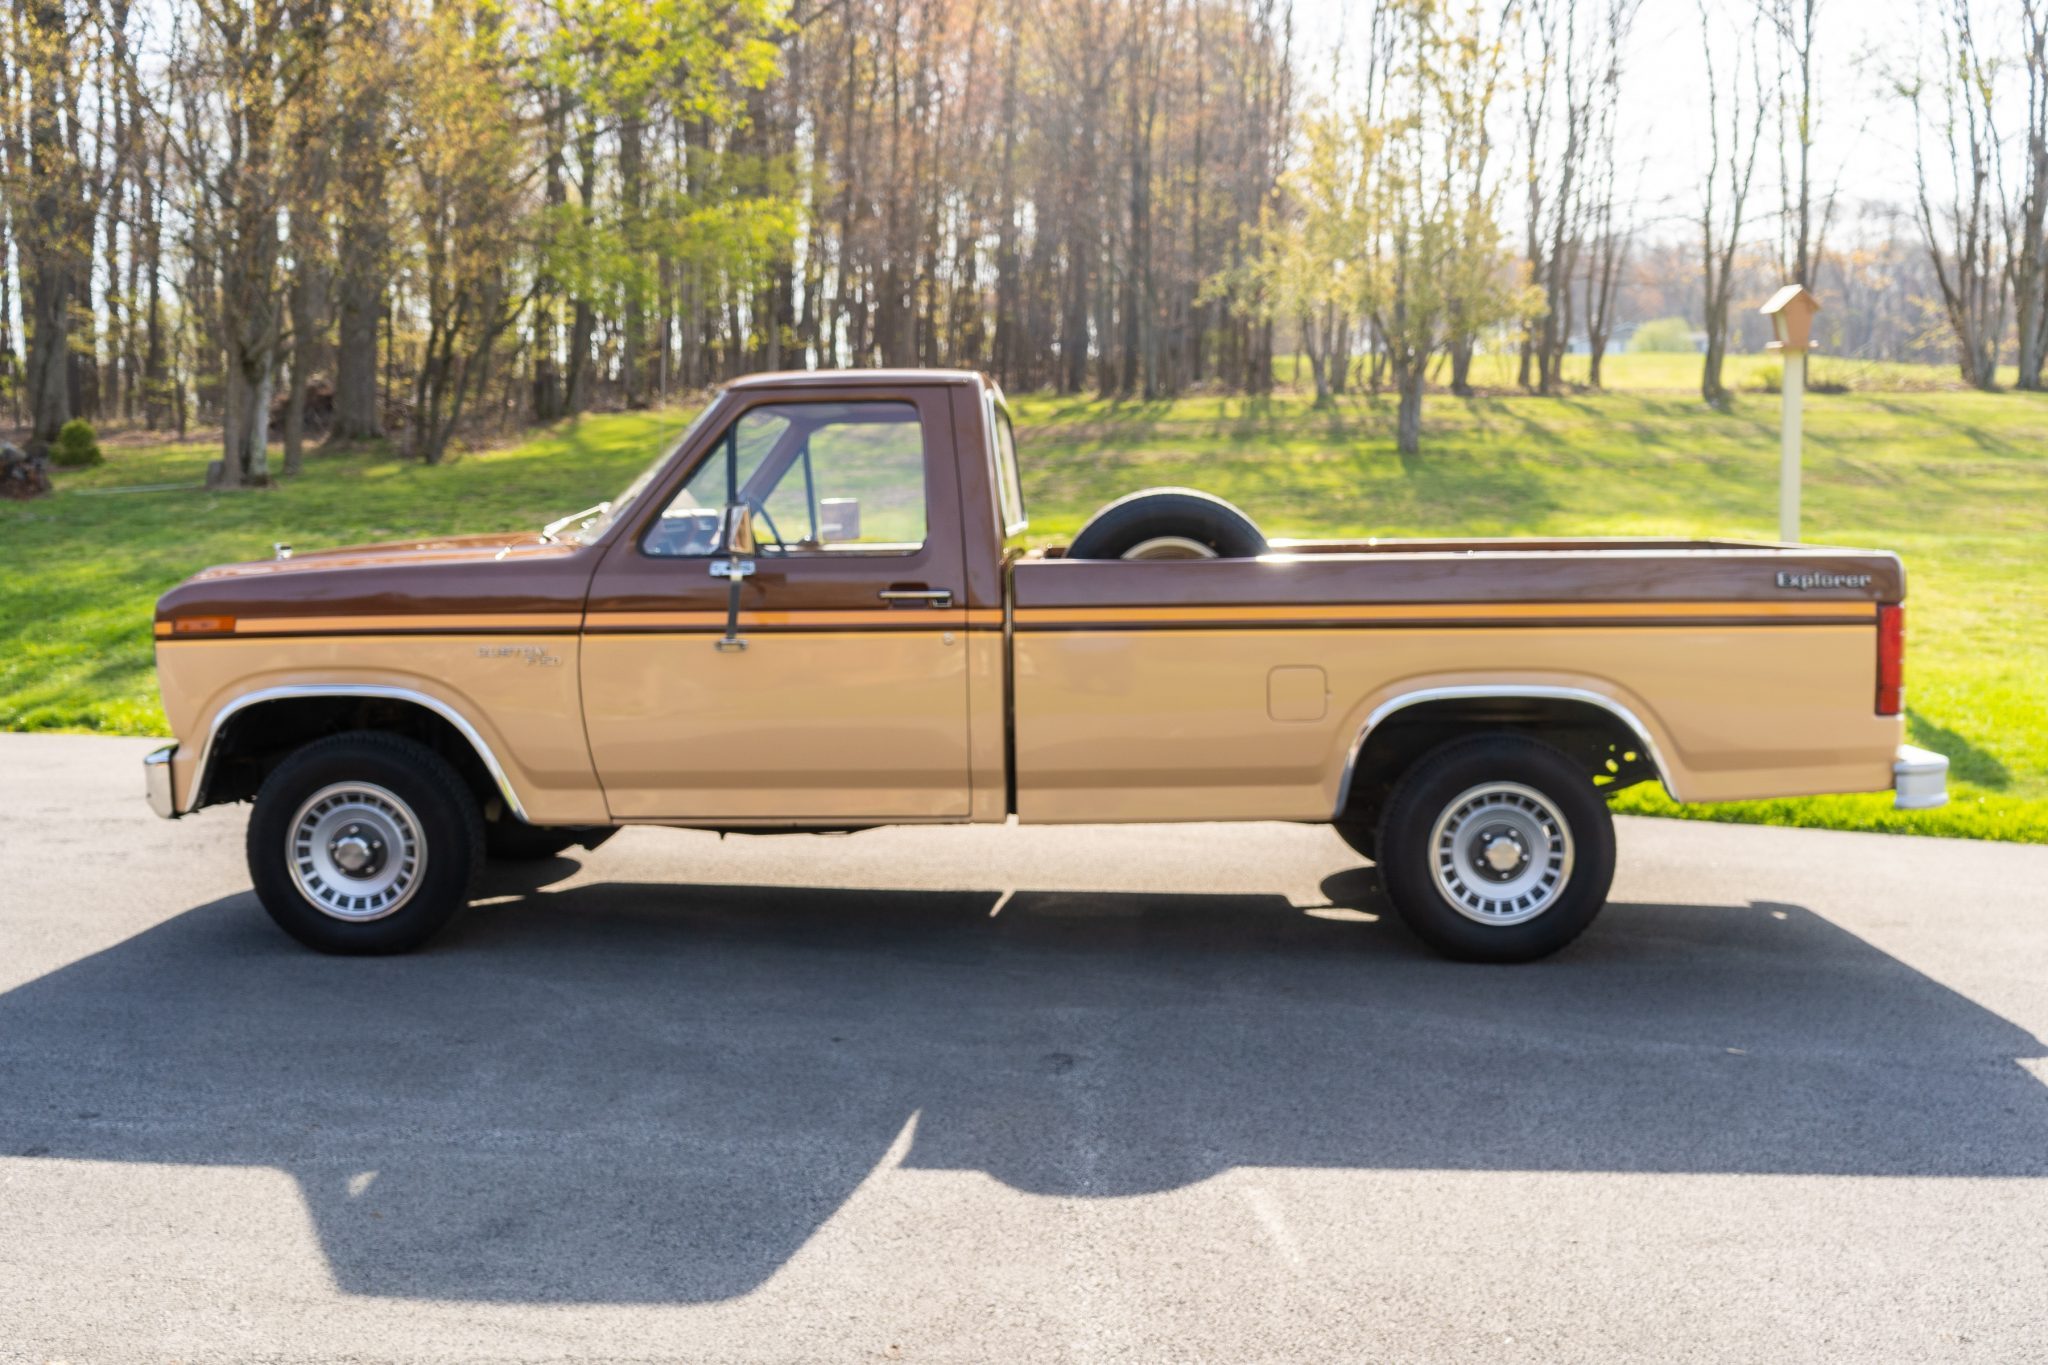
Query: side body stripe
1491, 615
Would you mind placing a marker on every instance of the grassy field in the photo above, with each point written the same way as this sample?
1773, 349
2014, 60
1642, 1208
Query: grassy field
1957, 482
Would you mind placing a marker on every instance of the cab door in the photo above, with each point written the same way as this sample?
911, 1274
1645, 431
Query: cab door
847, 699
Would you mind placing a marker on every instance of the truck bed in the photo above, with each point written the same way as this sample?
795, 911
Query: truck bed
1219, 689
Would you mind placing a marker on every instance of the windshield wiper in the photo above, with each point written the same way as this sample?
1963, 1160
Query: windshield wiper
548, 532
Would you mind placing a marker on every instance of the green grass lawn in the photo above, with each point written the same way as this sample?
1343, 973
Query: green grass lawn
1957, 482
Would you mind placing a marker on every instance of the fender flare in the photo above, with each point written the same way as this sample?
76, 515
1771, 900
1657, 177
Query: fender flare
1481, 691
373, 691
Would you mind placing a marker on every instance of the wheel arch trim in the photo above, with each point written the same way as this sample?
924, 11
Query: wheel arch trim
228, 710
1508, 691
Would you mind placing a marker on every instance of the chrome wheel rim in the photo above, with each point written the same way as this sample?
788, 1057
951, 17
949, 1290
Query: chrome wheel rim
1170, 547
355, 852
1501, 853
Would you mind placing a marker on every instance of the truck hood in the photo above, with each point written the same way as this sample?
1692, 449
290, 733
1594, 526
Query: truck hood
397, 553
475, 581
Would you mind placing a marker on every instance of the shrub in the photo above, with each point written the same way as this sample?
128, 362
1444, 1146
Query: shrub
77, 445
1673, 334
1771, 379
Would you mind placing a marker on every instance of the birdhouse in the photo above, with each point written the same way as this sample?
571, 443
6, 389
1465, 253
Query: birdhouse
1791, 312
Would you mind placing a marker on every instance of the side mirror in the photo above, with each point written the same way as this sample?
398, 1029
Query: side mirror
737, 536
736, 543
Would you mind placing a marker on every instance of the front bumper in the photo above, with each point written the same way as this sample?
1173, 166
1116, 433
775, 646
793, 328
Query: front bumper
156, 780
1919, 779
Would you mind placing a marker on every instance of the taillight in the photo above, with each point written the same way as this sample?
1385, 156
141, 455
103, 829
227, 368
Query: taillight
1891, 658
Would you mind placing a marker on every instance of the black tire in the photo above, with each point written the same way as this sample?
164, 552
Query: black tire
511, 840
1168, 514
447, 828
1441, 784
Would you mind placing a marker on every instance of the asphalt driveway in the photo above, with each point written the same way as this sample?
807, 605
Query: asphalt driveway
1137, 1093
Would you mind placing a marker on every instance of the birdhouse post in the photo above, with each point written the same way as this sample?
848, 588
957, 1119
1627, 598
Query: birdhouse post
1791, 312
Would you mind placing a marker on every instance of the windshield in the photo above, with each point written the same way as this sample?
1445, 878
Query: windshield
602, 516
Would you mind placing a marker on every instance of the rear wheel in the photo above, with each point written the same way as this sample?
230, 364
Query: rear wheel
364, 843
1496, 848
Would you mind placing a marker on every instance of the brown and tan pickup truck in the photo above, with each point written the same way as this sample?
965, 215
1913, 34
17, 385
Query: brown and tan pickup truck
816, 611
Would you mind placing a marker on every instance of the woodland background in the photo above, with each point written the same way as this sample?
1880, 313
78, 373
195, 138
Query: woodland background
421, 220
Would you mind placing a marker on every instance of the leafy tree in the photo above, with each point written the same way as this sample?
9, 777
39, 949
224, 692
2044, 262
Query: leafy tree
1310, 271
1432, 254
460, 140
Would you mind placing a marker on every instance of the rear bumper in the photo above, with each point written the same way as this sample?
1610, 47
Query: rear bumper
1919, 779
156, 782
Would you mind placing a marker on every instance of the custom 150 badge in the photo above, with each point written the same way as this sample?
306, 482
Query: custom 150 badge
536, 655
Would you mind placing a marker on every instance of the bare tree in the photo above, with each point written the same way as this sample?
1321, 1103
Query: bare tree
1802, 223
1731, 166
1610, 223
251, 63
2026, 251
1960, 222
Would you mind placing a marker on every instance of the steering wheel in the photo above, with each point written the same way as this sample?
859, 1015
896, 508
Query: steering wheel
774, 533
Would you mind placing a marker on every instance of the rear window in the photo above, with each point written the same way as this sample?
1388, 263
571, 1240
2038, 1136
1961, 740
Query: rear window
1009, 492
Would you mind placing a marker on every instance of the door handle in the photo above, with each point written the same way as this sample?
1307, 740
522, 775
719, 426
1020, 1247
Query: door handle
929, 597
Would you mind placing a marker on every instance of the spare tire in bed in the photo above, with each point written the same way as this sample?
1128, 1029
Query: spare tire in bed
1168, 523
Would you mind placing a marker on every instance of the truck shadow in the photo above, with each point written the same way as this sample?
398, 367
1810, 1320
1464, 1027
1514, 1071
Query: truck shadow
639, 1093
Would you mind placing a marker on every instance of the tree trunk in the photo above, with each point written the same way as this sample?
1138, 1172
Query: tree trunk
156, 381
245, 435
2029, 264
356, 417
1313, 342
46, 238
363, 241
632, 189
547, 374
582, 330
1006, 211
1408, 379
2033, 341
308, 311
1710, 367
48, 296
1461, 364
583, 323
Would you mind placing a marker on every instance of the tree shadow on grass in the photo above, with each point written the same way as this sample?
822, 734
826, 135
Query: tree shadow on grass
1984, 440
642, 1093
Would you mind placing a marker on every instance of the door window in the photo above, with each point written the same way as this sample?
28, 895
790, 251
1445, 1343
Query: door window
822, 478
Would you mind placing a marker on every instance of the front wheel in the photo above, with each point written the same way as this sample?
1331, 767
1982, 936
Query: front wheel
1496, 848
364, 843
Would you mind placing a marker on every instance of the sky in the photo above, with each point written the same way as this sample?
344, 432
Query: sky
1864, 135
